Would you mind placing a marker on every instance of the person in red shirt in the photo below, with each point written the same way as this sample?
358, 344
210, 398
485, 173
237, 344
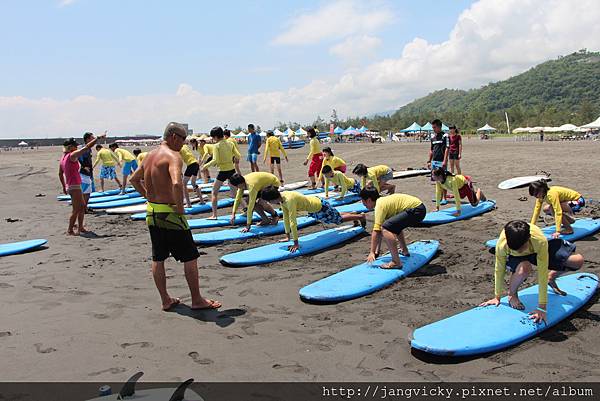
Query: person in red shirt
455, 150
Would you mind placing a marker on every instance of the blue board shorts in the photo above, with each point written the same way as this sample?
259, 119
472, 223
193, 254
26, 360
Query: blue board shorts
356, 188
87, 184
252, 157
577, 205
328, 214
108, 172
435, 164
129, 167
559, 251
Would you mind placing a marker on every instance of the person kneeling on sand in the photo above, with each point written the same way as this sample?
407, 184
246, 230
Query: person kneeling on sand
393, 213
341, 181
522, 245
254, 183
159, 180
292, 202
376, 176
460, 185
561, 203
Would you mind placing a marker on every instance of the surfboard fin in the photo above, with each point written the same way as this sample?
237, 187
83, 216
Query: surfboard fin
128, 388
180, 391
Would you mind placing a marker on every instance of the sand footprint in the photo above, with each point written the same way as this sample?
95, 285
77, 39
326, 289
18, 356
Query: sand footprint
39, 349
202, 361
141, 344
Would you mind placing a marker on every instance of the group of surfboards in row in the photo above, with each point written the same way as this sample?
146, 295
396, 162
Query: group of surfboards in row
158, 178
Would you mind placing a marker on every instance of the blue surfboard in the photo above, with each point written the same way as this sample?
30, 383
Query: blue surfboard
367, 278
112, 198
98, 194
235, 234
194, 209
278, 251
467, 211
117, 203
581, 228
487, 329
21, 246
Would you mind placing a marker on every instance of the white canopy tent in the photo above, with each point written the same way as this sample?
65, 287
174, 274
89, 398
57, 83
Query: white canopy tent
567, 127
593, 125
240, 134
22, 143
289, 132
521, 130
277, 132
487, 128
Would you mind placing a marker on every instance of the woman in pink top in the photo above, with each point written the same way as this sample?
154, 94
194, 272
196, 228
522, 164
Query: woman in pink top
68, 173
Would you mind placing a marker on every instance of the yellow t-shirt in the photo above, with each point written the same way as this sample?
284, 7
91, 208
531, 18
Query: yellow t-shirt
234, 143
206, 151
223, 154
108, 158
451, 184
274, 148
124, 155
187, 155
332, 161
314, 148
373, 173
254, 183
294, 202
391, 205
555, 196
140, 158
538, 244
341, 180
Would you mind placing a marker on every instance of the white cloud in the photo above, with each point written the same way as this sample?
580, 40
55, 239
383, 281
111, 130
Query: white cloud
490, 41
335, 20
356, 47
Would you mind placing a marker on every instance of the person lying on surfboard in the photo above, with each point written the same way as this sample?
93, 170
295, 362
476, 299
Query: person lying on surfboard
460, 185
377, 176
561, 203
340, 180
522, 245
393, 213
292, 202
254, 183
159, 179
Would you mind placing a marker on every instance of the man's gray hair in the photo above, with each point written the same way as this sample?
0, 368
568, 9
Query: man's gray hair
175, 128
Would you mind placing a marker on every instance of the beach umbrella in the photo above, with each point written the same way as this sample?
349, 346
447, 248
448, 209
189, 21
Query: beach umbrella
593, 125
427, 127
414, 127
338, 130
487, 128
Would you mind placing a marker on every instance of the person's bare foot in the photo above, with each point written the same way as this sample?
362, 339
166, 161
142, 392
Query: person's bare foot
71, 232
515, 302
207, 304
172, 302
405, 252
554, 286
392, 265
213, 217
83, 230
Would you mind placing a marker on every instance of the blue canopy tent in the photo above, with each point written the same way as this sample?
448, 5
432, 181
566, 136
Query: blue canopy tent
414, 127
363, 129
445, 127
350, 128
427, 127
338, 130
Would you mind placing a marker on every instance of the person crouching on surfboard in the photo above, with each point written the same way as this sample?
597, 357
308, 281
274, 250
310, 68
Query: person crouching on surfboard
393, 213
292, 202
522, 245
460, 185
561, 203
377, 176
254, 183
341, 181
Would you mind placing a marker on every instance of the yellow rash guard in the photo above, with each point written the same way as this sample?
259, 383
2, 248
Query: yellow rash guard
373, 173
187, 155
254, 183
140, 158
234, 143
206, 151
223, 154
451, 184
538, 244
314, 148
391, 205
555, 196
274, 148
333, 161
124, 155
340, 179
294, 202
108, 158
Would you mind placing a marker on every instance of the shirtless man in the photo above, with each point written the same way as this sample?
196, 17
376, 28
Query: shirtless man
158, 179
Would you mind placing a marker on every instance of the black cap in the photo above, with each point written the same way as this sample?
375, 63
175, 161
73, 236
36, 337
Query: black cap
70, 142
452, 126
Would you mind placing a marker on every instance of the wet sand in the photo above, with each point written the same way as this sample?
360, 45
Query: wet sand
86, 309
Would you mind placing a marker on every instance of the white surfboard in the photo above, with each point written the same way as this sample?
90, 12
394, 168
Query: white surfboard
520, 182
411, 173
293, 185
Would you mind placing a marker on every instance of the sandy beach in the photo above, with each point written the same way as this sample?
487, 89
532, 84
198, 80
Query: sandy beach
86, 309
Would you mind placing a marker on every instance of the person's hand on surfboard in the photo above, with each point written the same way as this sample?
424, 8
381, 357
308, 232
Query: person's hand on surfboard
245, 229
371, 258
493, 301
555, 235
538, 316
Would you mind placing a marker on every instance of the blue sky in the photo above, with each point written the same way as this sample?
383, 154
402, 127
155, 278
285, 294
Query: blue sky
71, 66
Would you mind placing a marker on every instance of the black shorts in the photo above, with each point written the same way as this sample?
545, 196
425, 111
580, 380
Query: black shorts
559, 251
275, 160
192, 170
407, 218
225, 175
453, 156
177, 243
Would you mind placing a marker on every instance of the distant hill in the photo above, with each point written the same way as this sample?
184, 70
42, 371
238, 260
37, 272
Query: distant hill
565, 90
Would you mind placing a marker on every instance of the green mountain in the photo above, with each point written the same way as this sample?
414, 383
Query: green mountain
565, 90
